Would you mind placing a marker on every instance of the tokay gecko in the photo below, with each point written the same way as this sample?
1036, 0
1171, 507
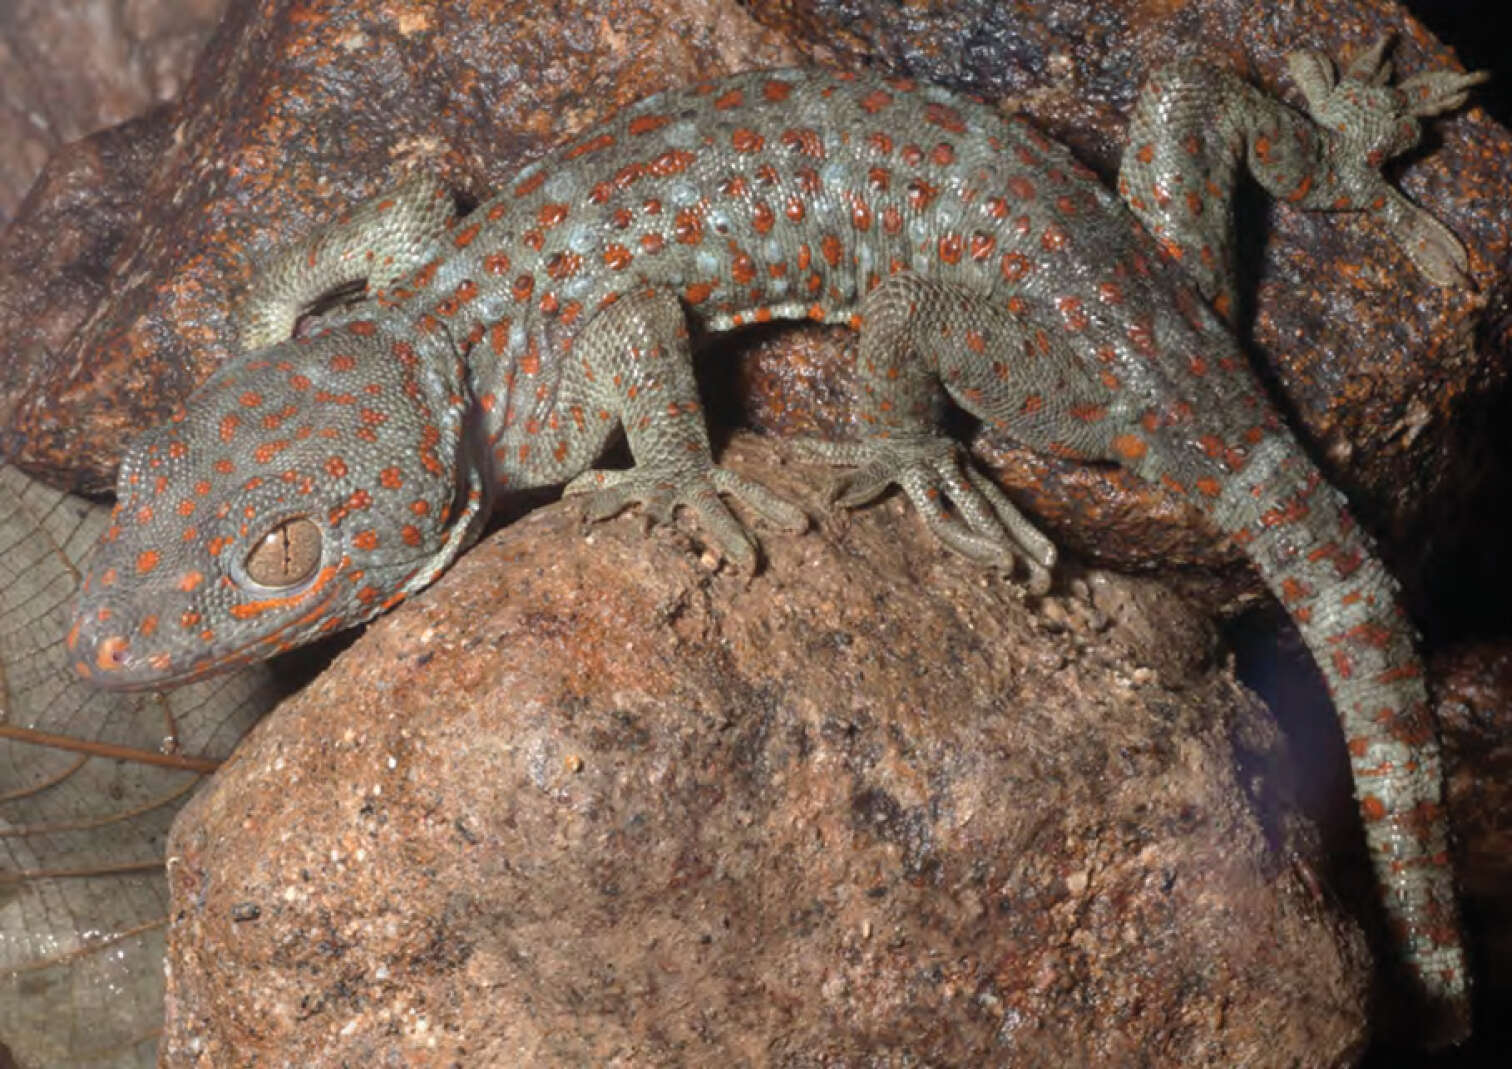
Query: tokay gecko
325, 474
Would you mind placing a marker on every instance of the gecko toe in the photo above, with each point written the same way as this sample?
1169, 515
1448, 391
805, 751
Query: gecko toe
964, 509
661, 493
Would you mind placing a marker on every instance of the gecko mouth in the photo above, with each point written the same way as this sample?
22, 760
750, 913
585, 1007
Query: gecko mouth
109, 661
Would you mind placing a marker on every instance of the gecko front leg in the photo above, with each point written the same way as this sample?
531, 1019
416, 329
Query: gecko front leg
633, 360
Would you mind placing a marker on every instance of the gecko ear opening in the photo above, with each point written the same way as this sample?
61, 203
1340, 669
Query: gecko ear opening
286, 556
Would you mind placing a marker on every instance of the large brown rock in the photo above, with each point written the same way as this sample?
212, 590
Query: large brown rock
1475, 717
594, 800
69, 69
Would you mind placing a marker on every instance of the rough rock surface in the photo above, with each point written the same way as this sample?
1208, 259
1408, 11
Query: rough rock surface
69, 69
595, 801
1475, 716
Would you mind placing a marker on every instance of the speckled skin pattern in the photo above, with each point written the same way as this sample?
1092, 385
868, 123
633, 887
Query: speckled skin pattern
326, 474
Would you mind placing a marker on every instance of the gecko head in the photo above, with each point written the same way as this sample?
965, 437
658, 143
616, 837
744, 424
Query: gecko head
300, 491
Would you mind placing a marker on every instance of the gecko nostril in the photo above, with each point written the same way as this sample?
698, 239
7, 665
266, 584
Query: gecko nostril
110, 655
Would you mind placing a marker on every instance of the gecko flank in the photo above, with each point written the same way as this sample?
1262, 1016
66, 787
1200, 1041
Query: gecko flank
317, 480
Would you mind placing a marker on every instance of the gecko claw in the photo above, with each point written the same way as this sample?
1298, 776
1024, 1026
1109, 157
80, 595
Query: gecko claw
1435, 92
980, 524
609, 492
1370, 121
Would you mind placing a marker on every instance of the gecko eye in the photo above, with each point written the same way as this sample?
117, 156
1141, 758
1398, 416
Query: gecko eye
286, 556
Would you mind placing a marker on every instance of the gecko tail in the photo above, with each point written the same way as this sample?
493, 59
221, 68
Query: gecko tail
1323, 567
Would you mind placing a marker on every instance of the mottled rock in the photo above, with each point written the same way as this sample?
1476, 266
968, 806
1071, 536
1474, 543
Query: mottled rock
68, 70
598, 801
1475, 717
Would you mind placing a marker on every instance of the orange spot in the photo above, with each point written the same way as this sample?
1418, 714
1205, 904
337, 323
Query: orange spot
465, 237
645, 124
591, 145
762, 217
944, 116
1015, 266
747, 140
805, 142
1293, 590
687, 228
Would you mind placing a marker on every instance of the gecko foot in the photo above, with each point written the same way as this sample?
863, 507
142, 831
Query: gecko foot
1369, 121
660, 492
984, 525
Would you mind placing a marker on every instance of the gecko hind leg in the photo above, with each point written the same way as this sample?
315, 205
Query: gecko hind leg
918, 335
